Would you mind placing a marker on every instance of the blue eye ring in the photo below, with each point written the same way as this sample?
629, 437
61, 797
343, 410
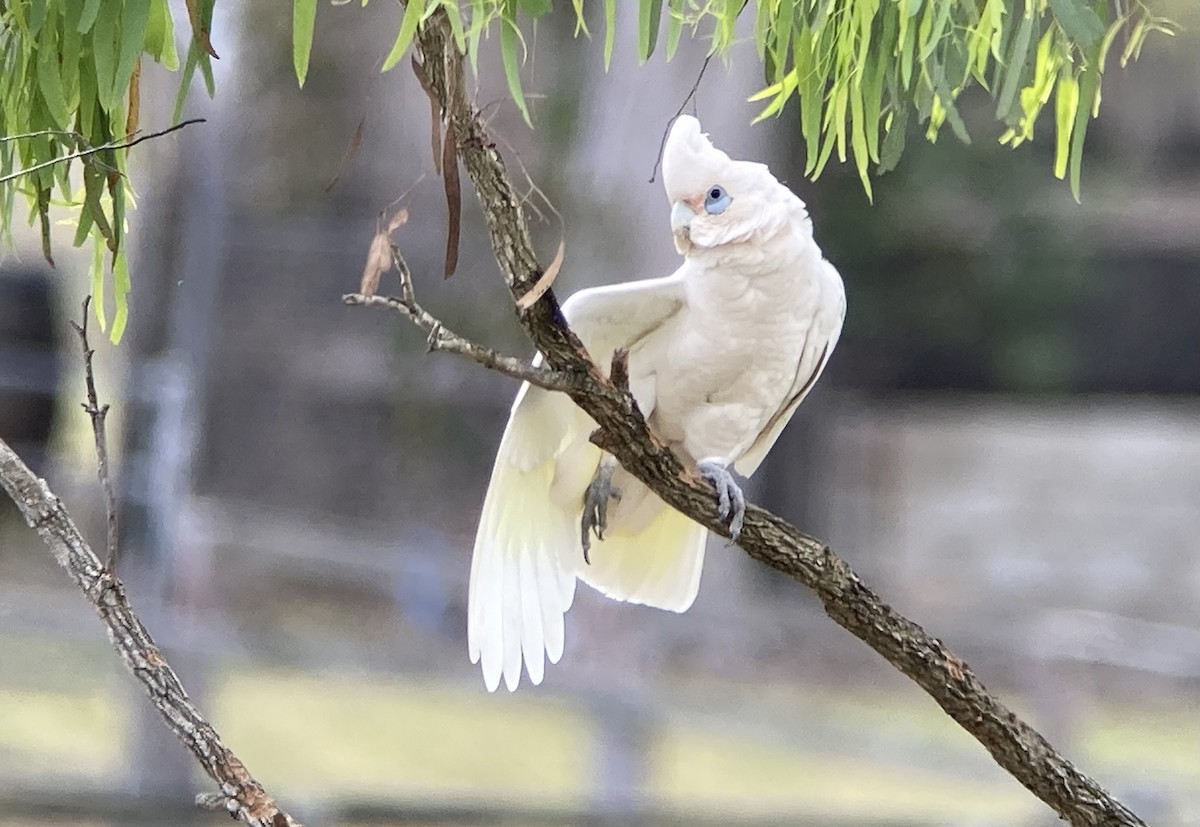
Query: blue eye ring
716, 200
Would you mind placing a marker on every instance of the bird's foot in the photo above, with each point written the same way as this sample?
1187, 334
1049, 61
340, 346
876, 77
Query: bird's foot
595, 506
731, 502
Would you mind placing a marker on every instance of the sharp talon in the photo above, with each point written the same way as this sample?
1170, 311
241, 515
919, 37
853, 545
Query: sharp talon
731, 502
595, 508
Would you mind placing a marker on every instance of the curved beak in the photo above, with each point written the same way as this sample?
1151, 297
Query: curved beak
681, 216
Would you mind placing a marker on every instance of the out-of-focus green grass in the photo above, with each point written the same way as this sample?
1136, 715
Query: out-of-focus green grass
345, 737
59, 731
375, 737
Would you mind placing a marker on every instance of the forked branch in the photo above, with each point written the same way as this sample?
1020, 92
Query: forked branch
238, 793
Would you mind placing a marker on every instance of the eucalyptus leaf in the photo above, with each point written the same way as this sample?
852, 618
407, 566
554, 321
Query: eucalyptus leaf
304, 23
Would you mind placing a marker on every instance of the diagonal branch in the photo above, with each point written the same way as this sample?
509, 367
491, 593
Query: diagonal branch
127, 143
240, 795
1015, 745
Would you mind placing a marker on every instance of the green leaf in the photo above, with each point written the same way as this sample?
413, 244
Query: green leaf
1134, 43
160, 36
1016, 66
84, 227
841, 94
946, 99
456, 24
121, 287
304, 21
610, 31
858, 139
894, 140
133, 39
98, 283
580, 22
908, 52
939, 28
408, 30
783, 32
104, 55
71, 47
1110, 36
50, 81
534, 8
88, 102
649, 17
185, 79
1089, 86
1079, 21
204, 63
91, 8
93, 185
37, 16
509, 39
674, 26
1066, 104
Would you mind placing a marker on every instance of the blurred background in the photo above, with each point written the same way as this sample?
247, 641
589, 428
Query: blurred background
1006, 446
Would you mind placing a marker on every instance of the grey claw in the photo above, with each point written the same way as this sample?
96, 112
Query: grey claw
731, 502
595, 507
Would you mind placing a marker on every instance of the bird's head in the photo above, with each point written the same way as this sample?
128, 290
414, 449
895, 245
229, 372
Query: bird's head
715, 200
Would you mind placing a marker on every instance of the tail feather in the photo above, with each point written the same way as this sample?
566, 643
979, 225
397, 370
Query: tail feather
658, 566
519, 589
533, 639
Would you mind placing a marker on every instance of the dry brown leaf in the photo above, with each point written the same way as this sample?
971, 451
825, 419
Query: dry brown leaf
198, 30
453, 203
543, 284
379, 254
135, 89
350, 154
399, 219
435, 114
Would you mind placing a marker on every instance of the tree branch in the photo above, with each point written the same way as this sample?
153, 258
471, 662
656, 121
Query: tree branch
98, 415
83, 153
442, 338
239, 794
1015, 745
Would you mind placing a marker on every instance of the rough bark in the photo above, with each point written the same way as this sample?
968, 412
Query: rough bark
1015, 745
239, 794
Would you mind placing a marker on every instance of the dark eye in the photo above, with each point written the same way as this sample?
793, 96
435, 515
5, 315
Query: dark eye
717, 200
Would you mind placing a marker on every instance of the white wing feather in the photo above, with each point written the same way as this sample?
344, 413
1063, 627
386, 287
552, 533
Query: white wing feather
527, 550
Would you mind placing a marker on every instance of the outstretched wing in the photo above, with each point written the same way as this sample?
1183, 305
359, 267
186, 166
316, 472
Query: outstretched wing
523, 569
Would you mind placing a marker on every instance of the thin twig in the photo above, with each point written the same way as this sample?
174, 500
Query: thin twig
239, 794
98, 415
442, 338
690, 95
125, 144
40, 134
1014, 744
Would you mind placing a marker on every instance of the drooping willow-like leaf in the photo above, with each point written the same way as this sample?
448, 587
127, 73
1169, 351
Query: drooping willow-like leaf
69, 72
862, 70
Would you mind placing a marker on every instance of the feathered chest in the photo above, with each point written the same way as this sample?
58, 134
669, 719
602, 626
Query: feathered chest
728, 360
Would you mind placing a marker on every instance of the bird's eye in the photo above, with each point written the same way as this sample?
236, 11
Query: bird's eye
717, 200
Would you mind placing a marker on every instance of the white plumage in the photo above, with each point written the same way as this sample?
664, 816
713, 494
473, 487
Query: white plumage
721, 353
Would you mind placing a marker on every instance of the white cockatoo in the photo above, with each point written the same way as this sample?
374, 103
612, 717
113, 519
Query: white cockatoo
720, 354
